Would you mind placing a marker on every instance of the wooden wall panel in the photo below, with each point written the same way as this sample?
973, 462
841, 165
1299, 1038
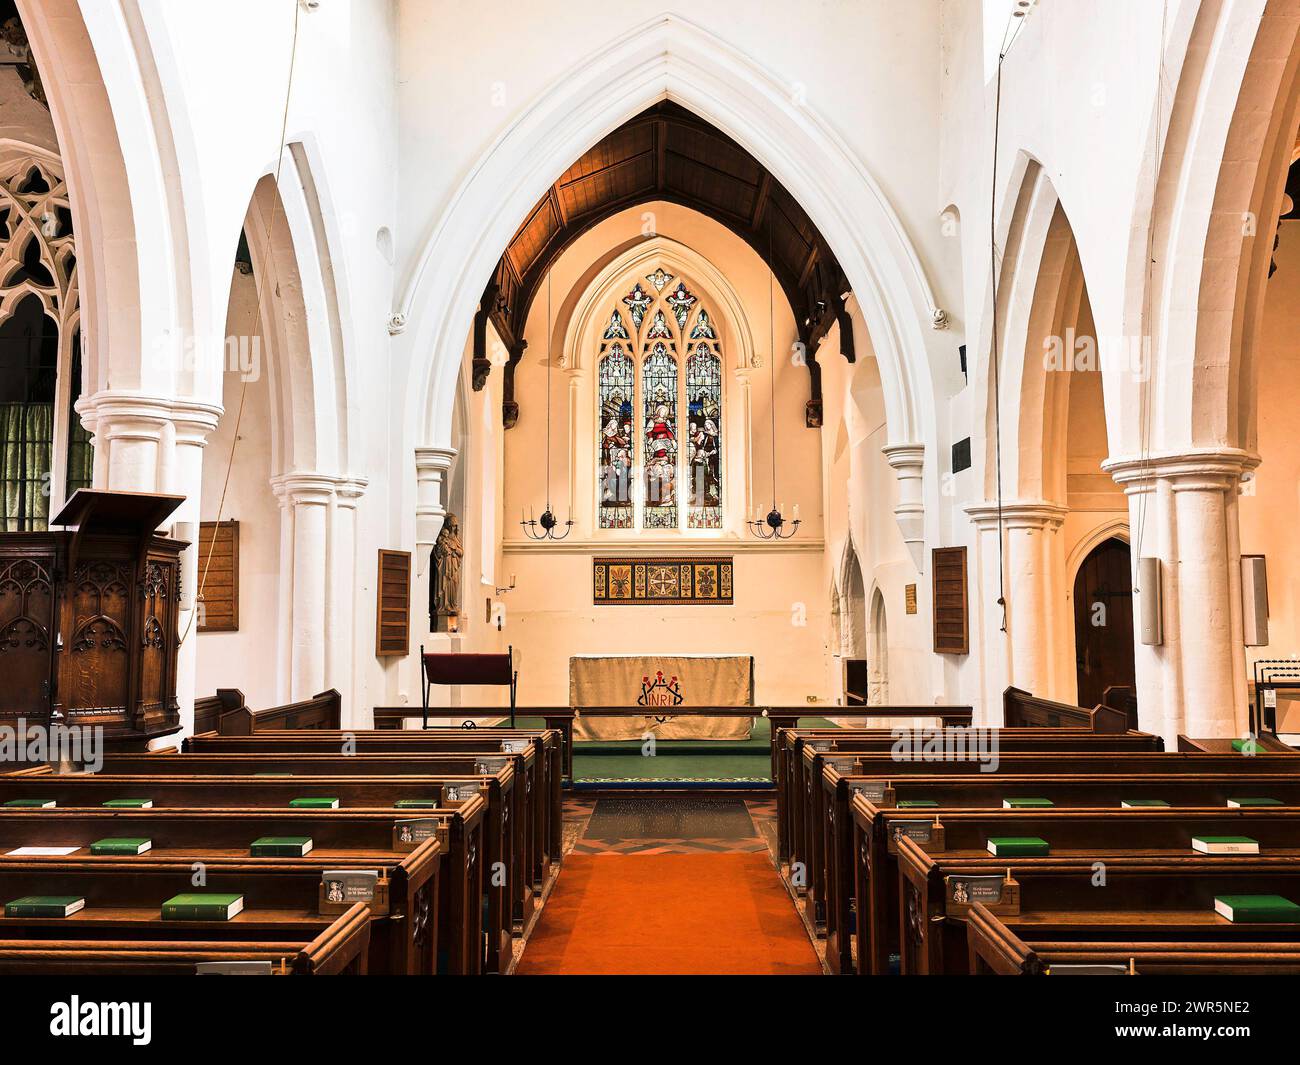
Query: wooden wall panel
951, 616
393, 609
219, 576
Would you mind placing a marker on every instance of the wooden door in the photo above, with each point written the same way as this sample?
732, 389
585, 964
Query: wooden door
1103, 621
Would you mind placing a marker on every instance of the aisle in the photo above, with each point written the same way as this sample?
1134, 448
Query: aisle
663, 885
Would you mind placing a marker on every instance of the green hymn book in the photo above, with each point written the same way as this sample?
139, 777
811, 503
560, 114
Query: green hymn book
45, 906
199, 906
1225, 845
33, 804
1021, 803
1257, 909
416, 804
121, 845
281, 847
1141, 804
314, 803
1018, 847
912, 804
129, 804
1234, 803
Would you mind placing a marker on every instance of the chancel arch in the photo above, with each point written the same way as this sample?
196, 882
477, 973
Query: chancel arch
672, 58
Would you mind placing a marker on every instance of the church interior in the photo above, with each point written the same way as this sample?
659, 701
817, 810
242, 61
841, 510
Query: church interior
741, 488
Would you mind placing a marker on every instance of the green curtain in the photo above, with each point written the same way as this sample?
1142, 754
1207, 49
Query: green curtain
26, 444
81, 457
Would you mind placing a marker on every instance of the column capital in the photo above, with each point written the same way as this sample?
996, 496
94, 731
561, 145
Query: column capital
1197, 469
1018, 514
129, 412
434, 458
305, 486
904, 456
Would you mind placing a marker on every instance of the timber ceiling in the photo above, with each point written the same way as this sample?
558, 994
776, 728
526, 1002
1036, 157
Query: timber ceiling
668, 153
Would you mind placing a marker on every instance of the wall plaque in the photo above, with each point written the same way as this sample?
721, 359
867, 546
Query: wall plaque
661, 581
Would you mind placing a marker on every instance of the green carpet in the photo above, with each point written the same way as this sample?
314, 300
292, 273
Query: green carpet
704, 760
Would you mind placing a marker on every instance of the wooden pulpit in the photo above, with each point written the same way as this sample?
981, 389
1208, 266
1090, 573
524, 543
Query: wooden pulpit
89, 618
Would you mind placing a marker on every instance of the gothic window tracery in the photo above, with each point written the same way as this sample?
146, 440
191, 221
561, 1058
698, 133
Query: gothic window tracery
659, 403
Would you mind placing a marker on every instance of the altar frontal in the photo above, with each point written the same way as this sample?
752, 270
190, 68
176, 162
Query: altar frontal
660, 683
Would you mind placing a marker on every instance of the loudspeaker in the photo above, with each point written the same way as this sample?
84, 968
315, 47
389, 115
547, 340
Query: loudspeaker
1254, 600
1149, 601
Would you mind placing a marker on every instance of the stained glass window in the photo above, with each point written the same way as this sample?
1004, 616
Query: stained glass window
616, 382
637, 303
673, 445
659, 441
704, 439
681, 301
659, 279
659, 328
616, 329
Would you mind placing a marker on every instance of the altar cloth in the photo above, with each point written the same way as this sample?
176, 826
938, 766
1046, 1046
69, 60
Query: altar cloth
660, 683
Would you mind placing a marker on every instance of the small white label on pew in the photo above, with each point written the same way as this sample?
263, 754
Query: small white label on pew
42, 852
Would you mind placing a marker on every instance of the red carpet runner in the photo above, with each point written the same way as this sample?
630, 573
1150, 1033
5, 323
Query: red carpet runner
678, 914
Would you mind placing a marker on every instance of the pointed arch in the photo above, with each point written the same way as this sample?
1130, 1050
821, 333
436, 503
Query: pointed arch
669, 58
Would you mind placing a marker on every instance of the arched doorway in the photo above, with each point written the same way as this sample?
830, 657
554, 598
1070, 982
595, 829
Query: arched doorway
878, 653
853, 630
1103, 620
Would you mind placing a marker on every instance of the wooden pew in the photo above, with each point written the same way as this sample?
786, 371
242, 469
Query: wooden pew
471, 941
323, 711
543, 774
831, 843
1262, 742
209, 708
856, 835
1172, 892
1071, 832
561, 717
807, 806
124, 896
1021, 709
862, 872
794, 785
339, 837
509, 832
993, 949
340, 949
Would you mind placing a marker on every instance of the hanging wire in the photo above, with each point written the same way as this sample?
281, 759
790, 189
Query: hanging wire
994, 353
257, 308
1010, 34
771, 344
549, 275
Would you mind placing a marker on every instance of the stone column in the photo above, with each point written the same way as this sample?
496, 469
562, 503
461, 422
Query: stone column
346, 641
1184, 512
306, 502
1032, 587
318, 647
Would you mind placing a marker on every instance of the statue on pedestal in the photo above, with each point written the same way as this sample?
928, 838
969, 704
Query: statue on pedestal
448, 551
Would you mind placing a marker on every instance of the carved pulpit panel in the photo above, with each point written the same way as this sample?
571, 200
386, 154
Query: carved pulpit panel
26, 631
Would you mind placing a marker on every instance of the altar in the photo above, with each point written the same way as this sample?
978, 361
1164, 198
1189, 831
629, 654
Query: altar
660, 683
